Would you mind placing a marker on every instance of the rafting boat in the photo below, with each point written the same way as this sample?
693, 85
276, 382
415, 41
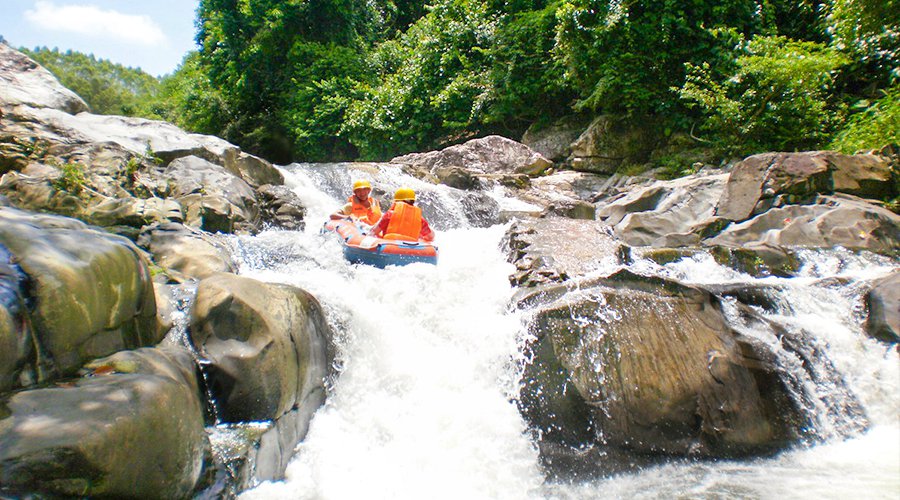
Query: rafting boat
360, 248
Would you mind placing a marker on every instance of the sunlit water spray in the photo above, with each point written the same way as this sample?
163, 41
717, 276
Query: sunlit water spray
423, 404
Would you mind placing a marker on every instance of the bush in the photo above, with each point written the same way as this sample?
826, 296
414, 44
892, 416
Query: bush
877, 126
777, 98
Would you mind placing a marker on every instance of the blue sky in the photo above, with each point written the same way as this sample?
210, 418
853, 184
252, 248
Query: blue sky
153, 35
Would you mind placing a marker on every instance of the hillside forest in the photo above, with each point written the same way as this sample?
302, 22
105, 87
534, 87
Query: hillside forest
327, 80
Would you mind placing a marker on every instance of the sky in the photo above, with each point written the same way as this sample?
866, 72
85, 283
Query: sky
153, 35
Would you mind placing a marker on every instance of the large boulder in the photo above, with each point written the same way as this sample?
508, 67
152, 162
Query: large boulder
665, 213
864, 175
839, 220
67, 133
280, 207
27, 83
187, 250
134, 429
488, 155
268, 346
553, 249
883, 304
609, 143
91, 291
213, 199
768, 180
660, 370
554, 140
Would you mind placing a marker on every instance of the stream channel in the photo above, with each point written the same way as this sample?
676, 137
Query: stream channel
429, 361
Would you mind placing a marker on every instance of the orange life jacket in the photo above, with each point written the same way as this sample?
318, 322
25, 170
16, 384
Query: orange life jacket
369, 215
405, 223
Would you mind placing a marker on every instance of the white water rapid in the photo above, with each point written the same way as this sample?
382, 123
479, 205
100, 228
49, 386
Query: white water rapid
423, 405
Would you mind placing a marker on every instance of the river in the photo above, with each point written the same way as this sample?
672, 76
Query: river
428, 359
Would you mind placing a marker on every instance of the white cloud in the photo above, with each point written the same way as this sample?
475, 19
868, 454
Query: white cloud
93, 21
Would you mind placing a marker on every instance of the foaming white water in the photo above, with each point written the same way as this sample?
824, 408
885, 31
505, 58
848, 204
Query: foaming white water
866, 467
423, 405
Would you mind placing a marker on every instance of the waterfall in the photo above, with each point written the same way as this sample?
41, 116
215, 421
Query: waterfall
428, 361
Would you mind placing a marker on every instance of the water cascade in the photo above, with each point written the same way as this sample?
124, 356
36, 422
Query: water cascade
429, 362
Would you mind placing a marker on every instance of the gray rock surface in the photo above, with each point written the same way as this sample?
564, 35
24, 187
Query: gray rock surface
883, 304
268, 345
554, 141
839, 220
133, 428
660, 370
92, 290
607, 144
768, 180
488, 155
664, 213
187, 250
24, 82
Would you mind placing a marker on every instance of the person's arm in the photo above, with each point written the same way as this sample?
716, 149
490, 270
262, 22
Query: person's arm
343, 212
381, 226
426, 234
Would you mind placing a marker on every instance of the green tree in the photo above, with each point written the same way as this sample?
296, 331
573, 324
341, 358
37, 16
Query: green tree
778, 97
107, 88
431, 83
258, 54
626, 56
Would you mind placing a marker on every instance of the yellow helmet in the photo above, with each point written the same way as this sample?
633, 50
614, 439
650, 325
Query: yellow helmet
405, 194
361, 183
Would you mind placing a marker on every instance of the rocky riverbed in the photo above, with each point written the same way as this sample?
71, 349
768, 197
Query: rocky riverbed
110, 227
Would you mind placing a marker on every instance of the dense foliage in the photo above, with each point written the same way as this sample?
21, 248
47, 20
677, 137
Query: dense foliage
340, 79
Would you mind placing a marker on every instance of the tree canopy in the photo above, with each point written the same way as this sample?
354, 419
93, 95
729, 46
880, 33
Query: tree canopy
314, 80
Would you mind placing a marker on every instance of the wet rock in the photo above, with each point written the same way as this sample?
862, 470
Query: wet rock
661, 370
488, 155
564, 193
281, 207
16, 335
552, 249
573, 209
758, 259
457, 177
134, 428
268, 345
187, 250
839, 220
481, 210
133, 212
91, 290
549, 401
27, 83
883, 304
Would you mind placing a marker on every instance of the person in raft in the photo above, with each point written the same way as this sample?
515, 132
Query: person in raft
360, 206
404, 220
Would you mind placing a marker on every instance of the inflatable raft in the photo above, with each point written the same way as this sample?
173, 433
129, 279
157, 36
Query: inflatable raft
359, 248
